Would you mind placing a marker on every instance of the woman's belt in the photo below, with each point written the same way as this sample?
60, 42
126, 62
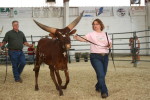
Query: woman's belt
101, 54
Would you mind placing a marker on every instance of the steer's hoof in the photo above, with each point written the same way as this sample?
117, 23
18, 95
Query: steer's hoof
61, 94
36, 88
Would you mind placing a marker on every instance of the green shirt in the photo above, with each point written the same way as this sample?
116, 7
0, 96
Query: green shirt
15, 39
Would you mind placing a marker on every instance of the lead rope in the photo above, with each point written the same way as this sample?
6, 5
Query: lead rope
6, 66
90, 41
111, 52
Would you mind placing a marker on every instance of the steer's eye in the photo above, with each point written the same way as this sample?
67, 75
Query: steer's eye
60, 33
64, 35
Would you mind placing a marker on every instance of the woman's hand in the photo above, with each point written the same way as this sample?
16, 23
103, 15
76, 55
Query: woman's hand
109, 46
75, 37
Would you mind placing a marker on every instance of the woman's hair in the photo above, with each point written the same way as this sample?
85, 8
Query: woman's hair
100, 22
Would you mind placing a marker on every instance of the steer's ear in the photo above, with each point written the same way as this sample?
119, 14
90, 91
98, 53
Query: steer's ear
52, 35
72, 32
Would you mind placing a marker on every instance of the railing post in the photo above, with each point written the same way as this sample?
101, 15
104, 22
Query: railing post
134, 50
113, 44
69, 60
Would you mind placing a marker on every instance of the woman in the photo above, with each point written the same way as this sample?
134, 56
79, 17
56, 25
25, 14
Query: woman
98, 54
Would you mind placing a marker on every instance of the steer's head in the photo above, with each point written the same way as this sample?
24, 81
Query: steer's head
62, 34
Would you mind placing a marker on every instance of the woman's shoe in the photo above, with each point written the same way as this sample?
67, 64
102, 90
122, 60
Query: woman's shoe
104, 95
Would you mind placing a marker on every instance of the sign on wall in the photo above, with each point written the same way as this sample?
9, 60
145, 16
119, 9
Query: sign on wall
137, 10
121, 12
5, 12
88, 11
16, 12
23, 12
104, 11
45, 12
96, 11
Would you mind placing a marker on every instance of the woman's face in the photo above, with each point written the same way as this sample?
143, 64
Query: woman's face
96, 26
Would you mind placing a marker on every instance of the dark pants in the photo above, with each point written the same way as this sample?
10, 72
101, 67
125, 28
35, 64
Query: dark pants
100, 64
18, 62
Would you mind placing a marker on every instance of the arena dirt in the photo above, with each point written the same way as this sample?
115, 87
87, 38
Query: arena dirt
126, 83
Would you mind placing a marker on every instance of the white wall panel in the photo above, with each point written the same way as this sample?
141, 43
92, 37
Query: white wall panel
113, 24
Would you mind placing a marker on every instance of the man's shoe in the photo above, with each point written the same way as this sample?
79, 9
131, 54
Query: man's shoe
97, 90
20, 80
104, 95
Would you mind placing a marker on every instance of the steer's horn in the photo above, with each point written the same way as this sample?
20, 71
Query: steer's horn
1, 30
75, 22
46, 28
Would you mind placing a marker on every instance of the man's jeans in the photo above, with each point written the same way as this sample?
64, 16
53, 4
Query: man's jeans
100, 64
18, 62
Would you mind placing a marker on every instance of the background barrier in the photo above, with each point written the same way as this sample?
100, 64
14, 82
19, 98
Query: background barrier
81, 50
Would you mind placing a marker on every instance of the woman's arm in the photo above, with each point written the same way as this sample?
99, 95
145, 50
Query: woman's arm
79, 38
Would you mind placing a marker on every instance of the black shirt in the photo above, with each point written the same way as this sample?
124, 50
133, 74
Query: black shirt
15, 39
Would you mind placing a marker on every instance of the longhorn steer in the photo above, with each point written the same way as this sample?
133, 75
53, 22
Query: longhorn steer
53, 52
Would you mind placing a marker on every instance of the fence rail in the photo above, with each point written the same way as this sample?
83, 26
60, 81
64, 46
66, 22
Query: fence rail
114, 39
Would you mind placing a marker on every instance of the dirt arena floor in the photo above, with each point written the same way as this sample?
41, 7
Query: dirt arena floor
126, 83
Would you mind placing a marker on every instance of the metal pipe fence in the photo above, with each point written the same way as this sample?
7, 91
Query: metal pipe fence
114, 36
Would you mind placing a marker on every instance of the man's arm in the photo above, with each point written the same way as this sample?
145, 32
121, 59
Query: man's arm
2, 43
27, 44
25, 41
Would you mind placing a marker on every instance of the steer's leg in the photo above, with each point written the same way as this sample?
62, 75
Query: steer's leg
36, 79
59, 82
52, 74
67, 79
38, 60
36, 69
58, 77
